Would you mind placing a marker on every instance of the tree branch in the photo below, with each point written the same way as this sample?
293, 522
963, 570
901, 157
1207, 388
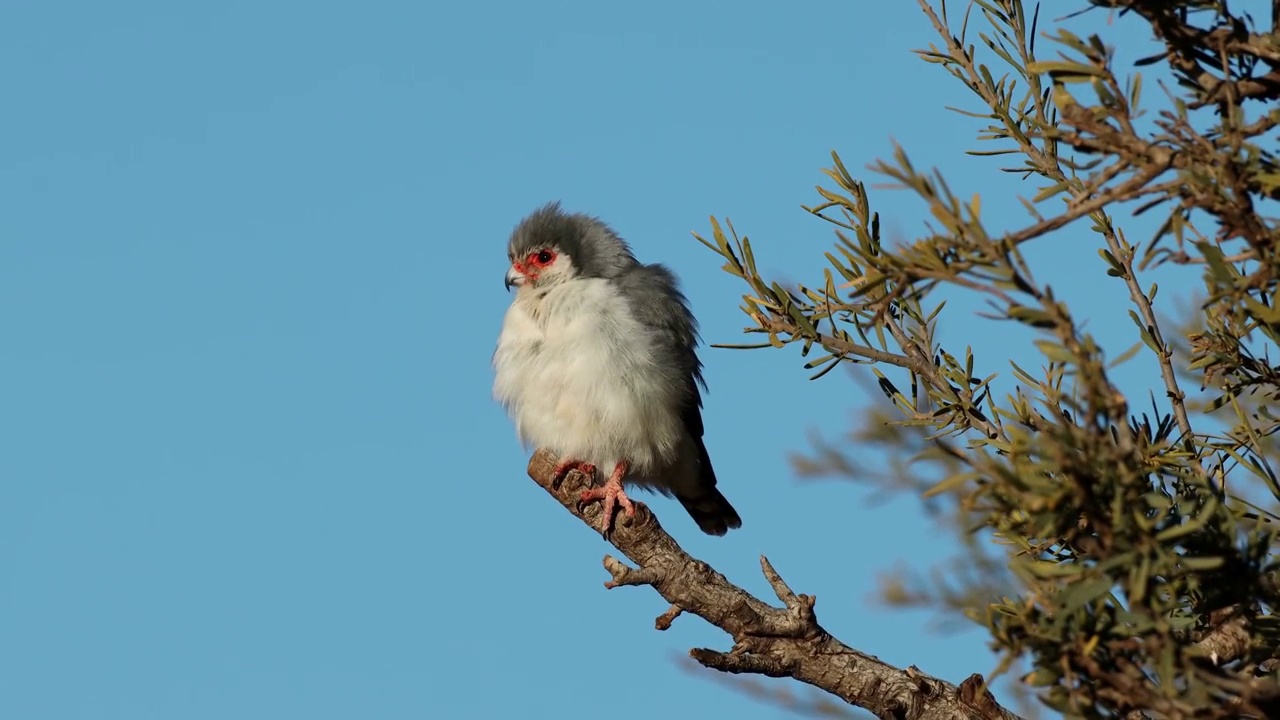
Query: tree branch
1186, 43
1230, 640
1164, 355
778, 642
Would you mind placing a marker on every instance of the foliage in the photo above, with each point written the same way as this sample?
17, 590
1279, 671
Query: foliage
1138, 545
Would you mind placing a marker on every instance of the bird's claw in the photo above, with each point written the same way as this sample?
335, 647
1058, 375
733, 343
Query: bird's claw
567, 465
611, 496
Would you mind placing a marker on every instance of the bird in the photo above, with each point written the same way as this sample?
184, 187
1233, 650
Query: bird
597, 362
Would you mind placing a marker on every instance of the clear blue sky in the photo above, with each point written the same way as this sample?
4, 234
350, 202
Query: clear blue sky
250, 262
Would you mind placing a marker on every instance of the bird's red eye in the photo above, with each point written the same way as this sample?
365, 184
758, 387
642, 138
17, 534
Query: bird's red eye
542, 258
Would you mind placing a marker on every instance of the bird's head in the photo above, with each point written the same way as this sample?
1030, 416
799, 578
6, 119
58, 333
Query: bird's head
551, 246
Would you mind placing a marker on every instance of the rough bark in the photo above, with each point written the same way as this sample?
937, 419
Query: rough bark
767, 640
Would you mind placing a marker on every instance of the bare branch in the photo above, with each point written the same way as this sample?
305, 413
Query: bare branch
777, 642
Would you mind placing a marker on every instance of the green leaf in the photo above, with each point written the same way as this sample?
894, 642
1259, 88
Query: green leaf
1031, 316
1193, 524
1046, 569
1079, 594
1062, 71
1202, 564
1112, 261
1126, 355
1267, 315
1055, 352
951, 483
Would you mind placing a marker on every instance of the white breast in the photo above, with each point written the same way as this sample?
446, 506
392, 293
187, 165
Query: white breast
578, 375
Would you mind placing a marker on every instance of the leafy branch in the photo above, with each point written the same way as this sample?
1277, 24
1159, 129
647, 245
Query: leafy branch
1142, 584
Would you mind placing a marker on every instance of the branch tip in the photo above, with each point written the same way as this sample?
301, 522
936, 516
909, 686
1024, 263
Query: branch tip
973, 693
625, 575
780, 587
663, 622
743, 662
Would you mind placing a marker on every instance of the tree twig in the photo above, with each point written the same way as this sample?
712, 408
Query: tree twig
1163, 351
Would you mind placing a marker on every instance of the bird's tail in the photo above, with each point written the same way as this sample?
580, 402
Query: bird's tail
712, 512
707, 507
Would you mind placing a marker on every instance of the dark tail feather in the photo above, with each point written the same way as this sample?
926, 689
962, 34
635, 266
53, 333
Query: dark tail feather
712, 512
708, 508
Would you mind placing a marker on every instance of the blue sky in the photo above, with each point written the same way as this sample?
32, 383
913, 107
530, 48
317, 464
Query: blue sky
249, 287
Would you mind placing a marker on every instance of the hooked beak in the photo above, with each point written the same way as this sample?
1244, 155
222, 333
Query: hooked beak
514, 277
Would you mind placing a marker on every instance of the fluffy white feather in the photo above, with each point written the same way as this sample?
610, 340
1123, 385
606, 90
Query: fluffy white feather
579, 376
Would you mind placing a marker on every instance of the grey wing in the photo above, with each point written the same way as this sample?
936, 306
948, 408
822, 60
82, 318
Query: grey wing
655, 298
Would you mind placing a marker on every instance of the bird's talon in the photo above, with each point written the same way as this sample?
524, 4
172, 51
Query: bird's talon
611, 496
569, 465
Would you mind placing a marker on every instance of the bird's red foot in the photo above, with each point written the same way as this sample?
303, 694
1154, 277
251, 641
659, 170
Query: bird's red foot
611, 496
569, 464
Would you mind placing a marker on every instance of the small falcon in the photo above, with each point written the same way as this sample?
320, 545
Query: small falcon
597, 363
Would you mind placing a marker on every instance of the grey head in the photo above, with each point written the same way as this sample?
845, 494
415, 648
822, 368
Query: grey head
551, 246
